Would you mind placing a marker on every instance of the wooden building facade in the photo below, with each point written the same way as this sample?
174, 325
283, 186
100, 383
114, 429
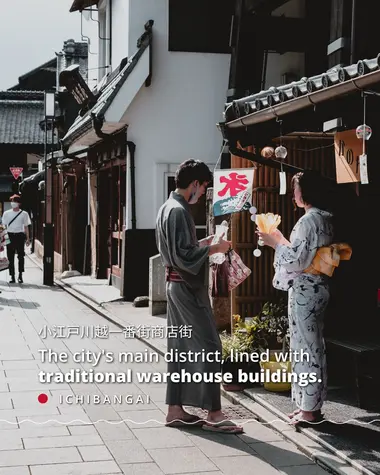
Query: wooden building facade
306, 113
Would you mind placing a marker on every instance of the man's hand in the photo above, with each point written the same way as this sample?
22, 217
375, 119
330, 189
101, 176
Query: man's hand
224, 246
206, 241
27, 242
221, 247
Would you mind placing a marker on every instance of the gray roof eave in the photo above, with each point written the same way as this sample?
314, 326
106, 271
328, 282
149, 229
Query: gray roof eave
108, 94
276, 102
78, 130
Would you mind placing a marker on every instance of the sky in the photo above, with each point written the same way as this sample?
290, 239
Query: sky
31, 31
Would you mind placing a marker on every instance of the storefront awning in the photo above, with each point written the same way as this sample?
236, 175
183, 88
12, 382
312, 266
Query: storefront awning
106, 117
308, 92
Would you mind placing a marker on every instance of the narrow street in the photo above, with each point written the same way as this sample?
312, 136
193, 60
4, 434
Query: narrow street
56, 436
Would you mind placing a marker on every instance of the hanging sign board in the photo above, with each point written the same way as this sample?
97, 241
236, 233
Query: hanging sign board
232, 190
348, 149
16, 171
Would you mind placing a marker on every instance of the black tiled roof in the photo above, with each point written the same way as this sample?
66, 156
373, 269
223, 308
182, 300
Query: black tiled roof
20, 115
273, 96
21, 95
82, 4
50, 65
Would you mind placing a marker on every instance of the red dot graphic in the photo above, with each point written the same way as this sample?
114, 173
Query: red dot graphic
42, 398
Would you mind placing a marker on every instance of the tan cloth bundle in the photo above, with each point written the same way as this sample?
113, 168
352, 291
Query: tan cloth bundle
328, 258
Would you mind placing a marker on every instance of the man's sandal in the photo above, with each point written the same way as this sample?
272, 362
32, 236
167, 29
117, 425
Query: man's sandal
192, 421
226, 427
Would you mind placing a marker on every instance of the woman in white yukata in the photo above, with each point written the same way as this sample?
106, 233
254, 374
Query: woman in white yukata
308, 293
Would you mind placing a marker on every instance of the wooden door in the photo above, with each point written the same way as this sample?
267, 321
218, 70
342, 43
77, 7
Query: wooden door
104, 224
118, 203
80, 215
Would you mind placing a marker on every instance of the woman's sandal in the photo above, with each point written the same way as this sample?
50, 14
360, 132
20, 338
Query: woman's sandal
299, 421
294, 413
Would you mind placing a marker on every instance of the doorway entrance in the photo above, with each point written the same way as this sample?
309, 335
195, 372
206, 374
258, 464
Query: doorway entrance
111, 220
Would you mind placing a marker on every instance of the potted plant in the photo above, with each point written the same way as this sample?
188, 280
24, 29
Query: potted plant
274, 321
244, 340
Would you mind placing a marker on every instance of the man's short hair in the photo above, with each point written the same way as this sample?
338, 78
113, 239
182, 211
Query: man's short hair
192, 170
15, 198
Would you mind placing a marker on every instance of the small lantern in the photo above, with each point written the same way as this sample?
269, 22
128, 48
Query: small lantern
281, 152
363, 132
267, 152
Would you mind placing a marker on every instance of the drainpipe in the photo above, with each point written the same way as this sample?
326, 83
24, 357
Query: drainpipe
132, 148
87, 235
110, 37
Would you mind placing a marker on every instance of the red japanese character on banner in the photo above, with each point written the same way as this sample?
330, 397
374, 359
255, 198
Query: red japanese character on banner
232, 191
234, 184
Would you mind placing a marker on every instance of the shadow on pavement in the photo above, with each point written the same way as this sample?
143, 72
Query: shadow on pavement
269, 452
18, 303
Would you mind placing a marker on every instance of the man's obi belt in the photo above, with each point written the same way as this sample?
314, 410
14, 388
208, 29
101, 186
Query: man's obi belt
172, 275
328, 258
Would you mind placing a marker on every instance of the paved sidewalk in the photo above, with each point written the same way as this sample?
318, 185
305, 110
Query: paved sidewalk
60, 438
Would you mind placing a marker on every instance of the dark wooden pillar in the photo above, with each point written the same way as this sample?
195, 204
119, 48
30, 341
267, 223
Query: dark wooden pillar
339, 48
366, 30
318, 37
247, 55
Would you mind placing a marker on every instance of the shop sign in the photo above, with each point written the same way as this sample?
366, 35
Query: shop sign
232, 190
348, 149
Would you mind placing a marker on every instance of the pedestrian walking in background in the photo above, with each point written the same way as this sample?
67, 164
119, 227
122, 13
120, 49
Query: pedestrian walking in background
17, 222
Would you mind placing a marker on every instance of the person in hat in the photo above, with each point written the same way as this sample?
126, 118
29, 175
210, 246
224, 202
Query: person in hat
17, 222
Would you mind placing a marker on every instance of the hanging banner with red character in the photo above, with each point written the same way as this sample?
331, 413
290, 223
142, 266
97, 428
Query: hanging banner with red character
232, 190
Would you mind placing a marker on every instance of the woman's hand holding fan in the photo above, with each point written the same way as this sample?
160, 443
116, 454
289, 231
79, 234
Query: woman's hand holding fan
268, 222
268, 233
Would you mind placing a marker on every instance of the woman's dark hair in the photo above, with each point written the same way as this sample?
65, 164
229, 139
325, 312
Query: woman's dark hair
316, 190
326, 194
192, 170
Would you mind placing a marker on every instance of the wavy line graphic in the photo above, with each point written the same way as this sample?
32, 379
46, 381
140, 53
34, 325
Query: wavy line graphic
238, 421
